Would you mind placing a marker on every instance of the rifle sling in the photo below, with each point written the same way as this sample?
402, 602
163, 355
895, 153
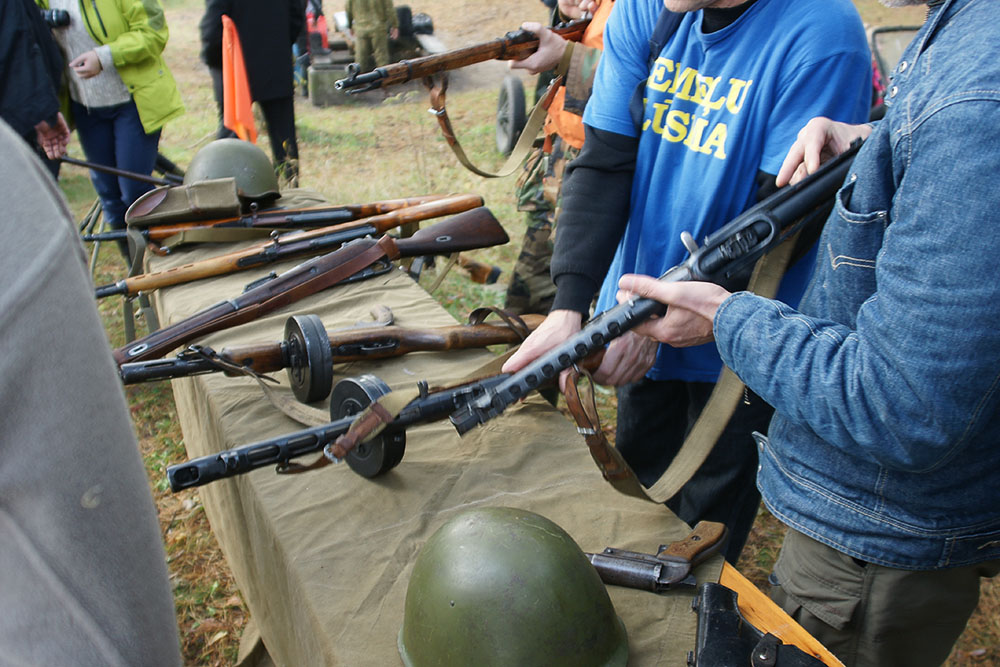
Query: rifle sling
711, 422
437, 87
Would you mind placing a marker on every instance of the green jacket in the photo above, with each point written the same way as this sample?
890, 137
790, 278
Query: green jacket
136, 31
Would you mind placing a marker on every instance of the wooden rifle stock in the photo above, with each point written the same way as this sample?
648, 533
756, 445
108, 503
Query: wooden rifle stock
515, 45
466, 231
349, 345
287, 246
291, 218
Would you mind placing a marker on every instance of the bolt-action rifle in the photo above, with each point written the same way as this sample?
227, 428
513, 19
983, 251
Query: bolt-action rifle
309, 351
466, 231
290, 245
515, 45
271, 219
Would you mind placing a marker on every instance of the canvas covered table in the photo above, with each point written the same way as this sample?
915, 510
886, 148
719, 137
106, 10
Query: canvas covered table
323, 558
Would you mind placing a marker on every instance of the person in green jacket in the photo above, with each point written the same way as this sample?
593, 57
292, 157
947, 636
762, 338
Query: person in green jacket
372, 24
121, 91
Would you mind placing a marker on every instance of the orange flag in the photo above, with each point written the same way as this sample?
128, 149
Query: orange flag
237, 113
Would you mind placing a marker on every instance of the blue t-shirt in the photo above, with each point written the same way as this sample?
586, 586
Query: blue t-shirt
719, 108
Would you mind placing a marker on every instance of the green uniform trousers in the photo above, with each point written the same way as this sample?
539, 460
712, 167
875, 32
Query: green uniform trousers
874, 616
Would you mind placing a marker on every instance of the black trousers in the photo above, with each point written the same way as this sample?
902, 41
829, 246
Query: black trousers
279, 115
654, 417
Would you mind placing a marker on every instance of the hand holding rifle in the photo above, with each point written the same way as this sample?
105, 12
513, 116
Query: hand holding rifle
552, 45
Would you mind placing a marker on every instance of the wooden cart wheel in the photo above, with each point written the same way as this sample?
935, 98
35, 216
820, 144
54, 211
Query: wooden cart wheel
511, 114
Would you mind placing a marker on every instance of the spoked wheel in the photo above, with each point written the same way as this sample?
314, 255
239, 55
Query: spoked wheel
511, 115
383, 452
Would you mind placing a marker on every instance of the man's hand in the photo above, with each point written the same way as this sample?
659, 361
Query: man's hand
393, 32
691, 311
550, 50
87, 65
627, 359
53, 138
817, 142
559, 326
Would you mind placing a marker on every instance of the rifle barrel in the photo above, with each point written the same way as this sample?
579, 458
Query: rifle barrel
144, 178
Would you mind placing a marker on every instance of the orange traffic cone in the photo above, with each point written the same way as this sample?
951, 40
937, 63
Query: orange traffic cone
237, 112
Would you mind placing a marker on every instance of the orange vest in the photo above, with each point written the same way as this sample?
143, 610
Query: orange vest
566, 124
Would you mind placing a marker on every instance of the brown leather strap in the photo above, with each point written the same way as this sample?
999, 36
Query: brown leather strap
513, 321
583, 408
438, 85
367, 425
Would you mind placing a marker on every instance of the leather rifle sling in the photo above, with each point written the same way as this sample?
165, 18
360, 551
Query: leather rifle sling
438, 85
711, 422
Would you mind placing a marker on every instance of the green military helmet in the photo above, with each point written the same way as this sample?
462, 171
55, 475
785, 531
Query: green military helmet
235, 158
503, 586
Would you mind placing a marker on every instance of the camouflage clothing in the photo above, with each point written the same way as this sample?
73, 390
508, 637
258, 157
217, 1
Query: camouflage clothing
370, 20
531, 289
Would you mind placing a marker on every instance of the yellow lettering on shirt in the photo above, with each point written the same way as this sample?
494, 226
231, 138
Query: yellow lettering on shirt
705, 132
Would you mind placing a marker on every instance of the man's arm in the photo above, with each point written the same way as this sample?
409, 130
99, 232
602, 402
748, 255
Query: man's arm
596, 192
28, 94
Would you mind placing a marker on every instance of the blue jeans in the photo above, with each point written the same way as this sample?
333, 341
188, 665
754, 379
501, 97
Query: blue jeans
655, 416
114, 137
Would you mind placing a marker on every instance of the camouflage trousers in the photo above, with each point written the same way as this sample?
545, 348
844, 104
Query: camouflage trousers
531, 289
371, 48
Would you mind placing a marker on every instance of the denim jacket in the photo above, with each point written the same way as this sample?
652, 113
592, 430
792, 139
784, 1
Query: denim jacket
886, 441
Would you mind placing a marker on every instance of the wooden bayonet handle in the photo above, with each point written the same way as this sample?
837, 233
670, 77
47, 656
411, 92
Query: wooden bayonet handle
705, 540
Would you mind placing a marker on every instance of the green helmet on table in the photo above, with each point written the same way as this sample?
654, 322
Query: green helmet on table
503, 586
238, 159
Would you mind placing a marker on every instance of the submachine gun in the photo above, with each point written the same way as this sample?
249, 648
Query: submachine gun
726, 253
308, 351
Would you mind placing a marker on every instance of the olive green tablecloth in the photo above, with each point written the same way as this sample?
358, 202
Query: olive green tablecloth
323, 558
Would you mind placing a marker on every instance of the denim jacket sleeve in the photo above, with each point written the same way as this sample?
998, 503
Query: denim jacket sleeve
907, 371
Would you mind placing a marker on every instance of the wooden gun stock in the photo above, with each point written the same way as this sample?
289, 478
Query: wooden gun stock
466, 231
291, 245
515, 45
